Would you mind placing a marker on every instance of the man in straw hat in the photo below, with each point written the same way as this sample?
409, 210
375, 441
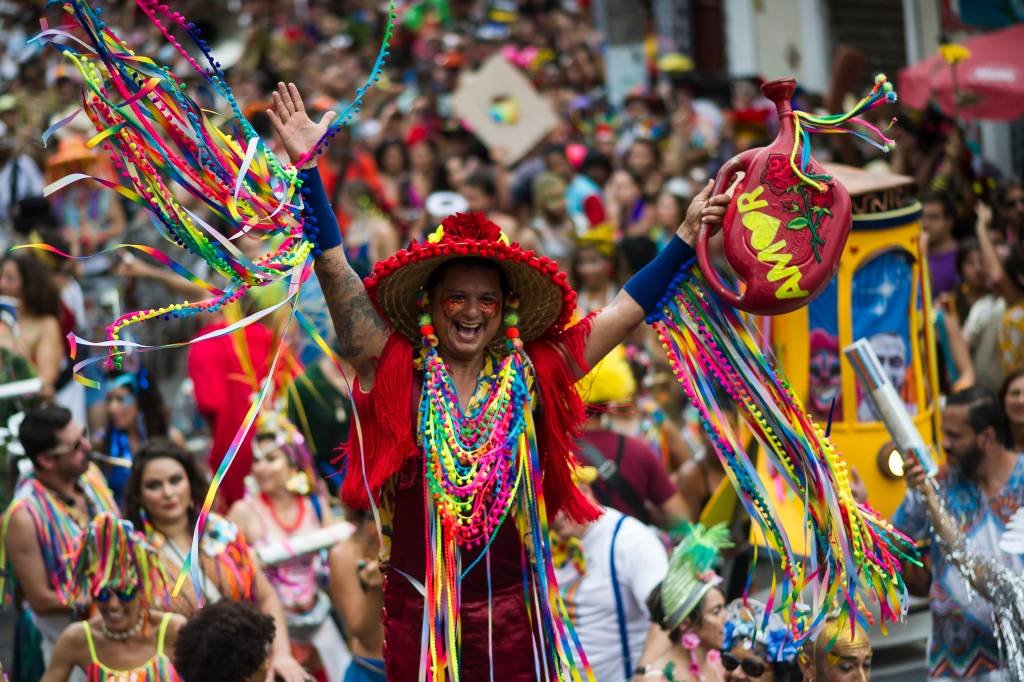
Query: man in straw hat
466, 364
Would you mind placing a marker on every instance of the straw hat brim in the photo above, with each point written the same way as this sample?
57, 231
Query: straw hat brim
546, 301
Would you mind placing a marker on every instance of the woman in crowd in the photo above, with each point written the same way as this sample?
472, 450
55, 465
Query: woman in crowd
135, 411
357, 593
690, 607
643, 161
1007, 278
369, 236
29, 283
550, 230
981, 310
1011, 397
595, 269
757, 650
393, 163
627, 205
285, 502
129, 638
164, 495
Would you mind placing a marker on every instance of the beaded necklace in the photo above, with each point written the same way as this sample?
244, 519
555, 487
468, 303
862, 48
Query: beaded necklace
479, 465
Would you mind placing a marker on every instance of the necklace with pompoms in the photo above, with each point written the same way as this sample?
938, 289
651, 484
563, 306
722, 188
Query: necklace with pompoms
470, 457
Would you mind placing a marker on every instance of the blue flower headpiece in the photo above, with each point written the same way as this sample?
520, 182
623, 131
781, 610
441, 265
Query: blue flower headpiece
750, 622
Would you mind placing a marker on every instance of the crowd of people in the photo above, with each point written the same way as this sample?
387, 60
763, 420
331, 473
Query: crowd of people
104, 486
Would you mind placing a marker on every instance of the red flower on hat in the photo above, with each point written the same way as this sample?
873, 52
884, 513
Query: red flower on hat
777, 176
470, 226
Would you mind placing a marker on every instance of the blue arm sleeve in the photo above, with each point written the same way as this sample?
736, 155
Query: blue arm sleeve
649, 284
321, 225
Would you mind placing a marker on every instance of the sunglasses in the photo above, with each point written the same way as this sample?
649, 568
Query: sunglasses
1014, 201
106, 594
81, 444
750, 666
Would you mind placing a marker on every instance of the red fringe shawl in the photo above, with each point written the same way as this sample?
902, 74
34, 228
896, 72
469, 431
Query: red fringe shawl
389, 431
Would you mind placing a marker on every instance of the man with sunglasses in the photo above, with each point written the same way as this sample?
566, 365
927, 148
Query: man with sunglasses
50, 508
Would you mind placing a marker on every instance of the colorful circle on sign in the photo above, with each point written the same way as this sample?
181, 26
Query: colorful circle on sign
504, 110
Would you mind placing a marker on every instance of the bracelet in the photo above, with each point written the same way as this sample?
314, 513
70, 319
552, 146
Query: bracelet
321, 225
649, 284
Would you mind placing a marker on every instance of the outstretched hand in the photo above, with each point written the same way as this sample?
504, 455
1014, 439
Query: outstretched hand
293, 125
704, 208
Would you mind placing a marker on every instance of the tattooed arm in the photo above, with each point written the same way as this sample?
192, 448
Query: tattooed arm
361, 331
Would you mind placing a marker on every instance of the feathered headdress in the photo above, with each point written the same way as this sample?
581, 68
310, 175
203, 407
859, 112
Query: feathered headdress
689, 574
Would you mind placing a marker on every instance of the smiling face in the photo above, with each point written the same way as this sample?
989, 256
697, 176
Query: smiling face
1014, 402
466, 306
747, 662
166, 493
120, 610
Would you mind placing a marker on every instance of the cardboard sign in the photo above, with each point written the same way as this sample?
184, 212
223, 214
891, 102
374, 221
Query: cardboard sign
501, 107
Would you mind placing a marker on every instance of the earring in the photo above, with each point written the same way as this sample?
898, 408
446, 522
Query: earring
426, 321
515, 343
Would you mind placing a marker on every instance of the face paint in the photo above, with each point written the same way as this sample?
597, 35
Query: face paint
452, 305
488, 308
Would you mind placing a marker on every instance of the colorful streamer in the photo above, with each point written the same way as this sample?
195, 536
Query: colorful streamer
853, 555
804, 124
158, 137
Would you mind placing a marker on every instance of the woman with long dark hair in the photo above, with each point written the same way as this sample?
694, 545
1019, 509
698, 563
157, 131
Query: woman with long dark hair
135, 412
30, 284
164, 494
1011, 397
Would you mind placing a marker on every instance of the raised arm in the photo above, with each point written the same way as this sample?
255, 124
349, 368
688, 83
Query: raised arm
990, 259
642, 292
361, 331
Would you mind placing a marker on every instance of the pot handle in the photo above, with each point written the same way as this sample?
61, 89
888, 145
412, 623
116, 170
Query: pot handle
723, 180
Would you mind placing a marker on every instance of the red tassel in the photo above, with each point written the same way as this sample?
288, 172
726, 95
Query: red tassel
385, 414
560, 416
389, 433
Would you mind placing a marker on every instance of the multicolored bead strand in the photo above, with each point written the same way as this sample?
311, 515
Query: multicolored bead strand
477, 467
853, 556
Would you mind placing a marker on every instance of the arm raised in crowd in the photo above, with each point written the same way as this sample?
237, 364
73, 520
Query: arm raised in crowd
642, 292
996, 274
361, 331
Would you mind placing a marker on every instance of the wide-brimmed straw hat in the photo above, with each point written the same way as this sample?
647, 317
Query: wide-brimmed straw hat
546, 301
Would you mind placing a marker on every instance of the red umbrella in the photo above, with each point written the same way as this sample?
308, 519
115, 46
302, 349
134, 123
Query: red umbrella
990, 83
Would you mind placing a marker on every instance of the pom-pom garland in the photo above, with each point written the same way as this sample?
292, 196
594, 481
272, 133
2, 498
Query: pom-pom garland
479, 466
158, 137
